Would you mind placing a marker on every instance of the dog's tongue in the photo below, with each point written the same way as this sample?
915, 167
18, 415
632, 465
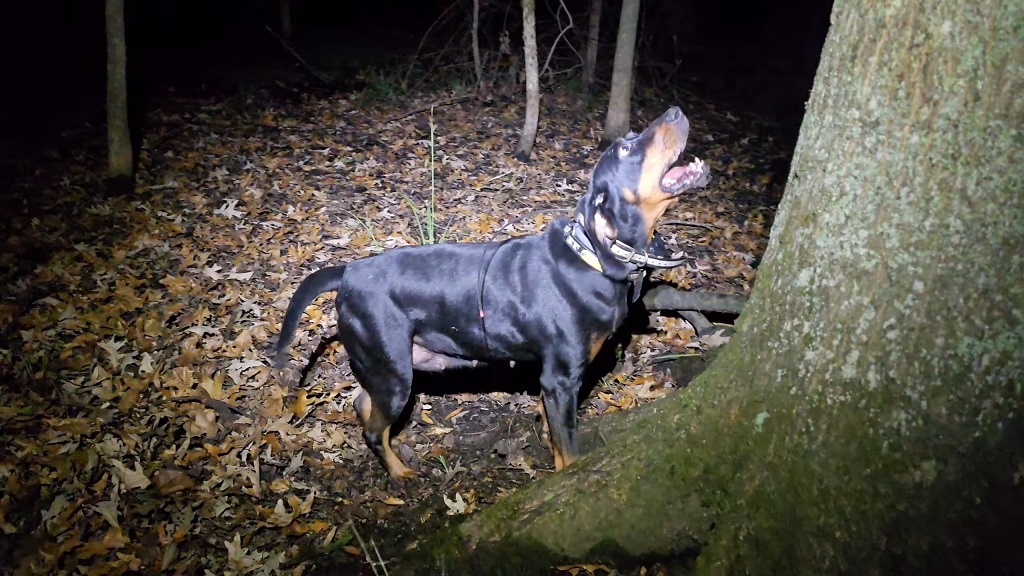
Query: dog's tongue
676, 174
690, 175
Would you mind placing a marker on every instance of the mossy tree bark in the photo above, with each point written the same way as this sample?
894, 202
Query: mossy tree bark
867, 417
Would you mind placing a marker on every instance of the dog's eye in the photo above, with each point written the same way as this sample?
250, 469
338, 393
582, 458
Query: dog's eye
624, 149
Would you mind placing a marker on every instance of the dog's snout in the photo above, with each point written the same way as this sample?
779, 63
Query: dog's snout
675, 117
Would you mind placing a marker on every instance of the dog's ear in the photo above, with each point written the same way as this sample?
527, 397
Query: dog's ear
604, 230
594, 211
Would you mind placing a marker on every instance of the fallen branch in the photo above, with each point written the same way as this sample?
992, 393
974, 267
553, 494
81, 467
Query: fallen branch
690, 223
701, 325
666, 297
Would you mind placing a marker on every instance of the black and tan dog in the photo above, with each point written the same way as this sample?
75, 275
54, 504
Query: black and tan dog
553, 298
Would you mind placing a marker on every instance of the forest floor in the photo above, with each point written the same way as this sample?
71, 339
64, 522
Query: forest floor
141, 425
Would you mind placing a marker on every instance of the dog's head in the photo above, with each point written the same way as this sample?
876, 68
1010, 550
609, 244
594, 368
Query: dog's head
634, 182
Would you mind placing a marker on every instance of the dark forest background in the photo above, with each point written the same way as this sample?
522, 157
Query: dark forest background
752, 56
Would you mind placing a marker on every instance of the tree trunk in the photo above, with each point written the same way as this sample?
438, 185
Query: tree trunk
119, 142
529, 134
593, 37
616, 125
477, 65
868, 417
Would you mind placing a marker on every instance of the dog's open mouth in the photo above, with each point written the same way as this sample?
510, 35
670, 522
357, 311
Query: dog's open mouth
686, 176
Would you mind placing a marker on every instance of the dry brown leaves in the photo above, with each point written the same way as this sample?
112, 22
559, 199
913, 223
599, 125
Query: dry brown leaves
143, 429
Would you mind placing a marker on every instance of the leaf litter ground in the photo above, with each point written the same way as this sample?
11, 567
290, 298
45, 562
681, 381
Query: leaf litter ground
143, 428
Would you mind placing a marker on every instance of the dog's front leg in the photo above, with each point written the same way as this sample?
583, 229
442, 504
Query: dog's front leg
559, 391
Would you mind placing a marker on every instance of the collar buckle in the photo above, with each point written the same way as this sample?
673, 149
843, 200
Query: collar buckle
630, 255
577, 239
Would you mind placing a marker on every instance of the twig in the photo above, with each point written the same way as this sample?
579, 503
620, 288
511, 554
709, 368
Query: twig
561, 6
298, 57
362, 546
694, 224
502, 175
379, 559
432, 105
405, 80
670, 357
221, 407
256, 462
553, 73
231, 324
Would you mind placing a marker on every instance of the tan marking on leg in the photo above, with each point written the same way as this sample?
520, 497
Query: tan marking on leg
373, 420
561, 458
545, 432
396, 468
596, 343
363, 406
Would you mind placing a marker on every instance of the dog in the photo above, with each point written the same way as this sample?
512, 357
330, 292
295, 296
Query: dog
553, 298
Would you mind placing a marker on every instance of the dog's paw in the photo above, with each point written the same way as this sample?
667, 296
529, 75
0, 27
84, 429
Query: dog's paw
401, 472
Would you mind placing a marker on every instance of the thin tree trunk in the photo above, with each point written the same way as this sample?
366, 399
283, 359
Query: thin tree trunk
617, 123
285, 9
593, 38
868, 416
119, 142
529, 134
477, 65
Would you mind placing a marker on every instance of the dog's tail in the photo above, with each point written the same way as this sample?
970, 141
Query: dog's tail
323, 280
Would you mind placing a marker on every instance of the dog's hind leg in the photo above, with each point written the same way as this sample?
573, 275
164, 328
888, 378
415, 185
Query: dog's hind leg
378, 405
377, 418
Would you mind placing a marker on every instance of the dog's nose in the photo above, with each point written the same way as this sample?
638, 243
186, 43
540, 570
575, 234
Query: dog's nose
675, 117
